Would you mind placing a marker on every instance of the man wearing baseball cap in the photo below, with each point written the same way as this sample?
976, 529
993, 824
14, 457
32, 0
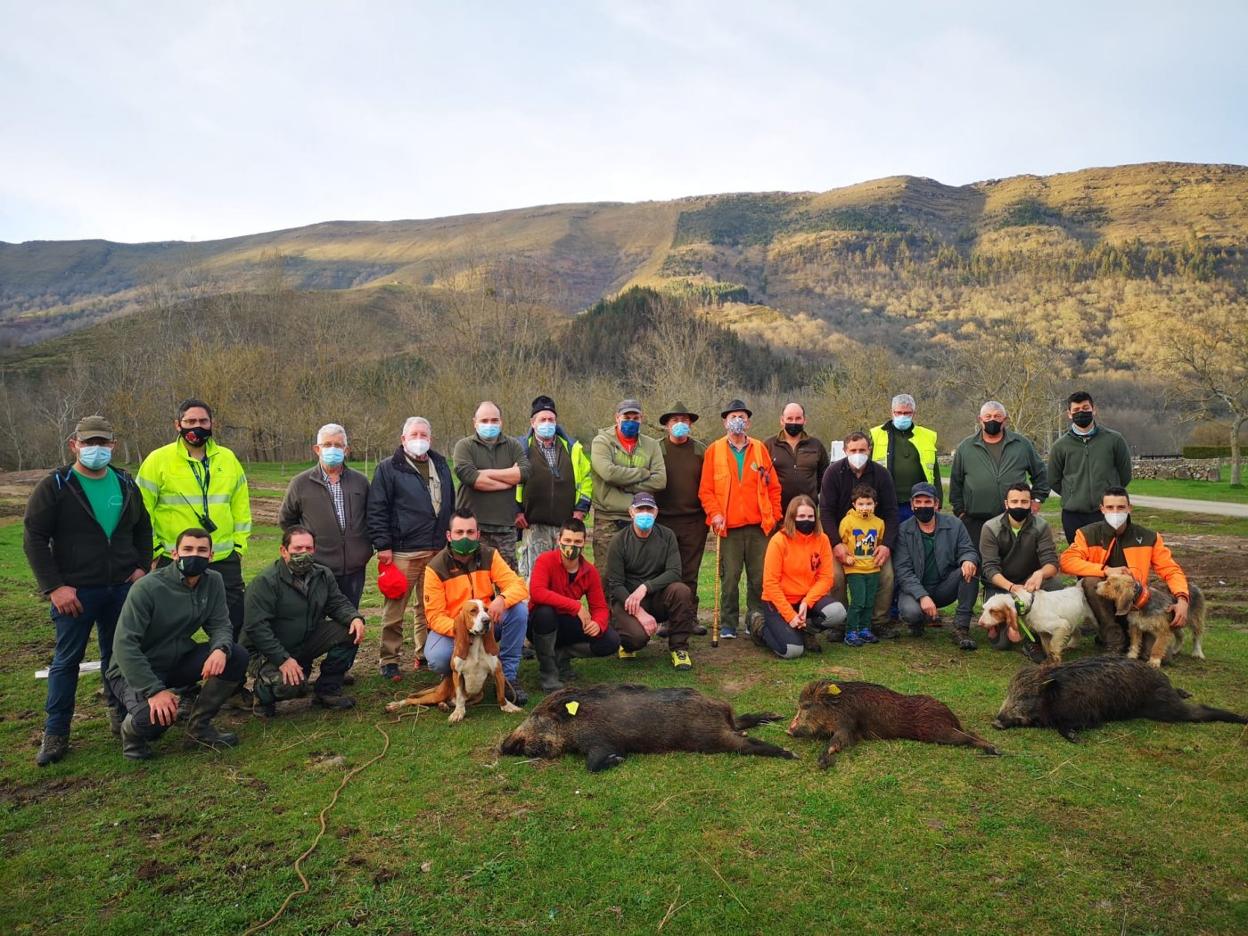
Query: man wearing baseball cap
87, 538
624, 462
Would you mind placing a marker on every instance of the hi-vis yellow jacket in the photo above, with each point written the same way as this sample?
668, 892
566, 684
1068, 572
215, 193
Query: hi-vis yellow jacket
176, 489
921, 438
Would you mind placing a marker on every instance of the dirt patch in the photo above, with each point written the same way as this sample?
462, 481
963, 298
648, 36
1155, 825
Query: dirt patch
1219, 565
16, 795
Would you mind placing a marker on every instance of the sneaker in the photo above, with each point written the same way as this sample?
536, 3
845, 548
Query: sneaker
727, 632
852, 639
866, 635
391, 672
626, 654
515, 694
325, 700
680, 660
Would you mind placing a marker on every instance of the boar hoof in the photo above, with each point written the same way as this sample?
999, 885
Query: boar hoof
1069, 734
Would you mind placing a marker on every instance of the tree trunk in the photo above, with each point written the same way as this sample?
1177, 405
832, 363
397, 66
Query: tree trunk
1235, 466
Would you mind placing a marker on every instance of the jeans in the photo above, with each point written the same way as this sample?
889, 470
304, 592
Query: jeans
785, 641
101, 605
509, 632
352, 586
187, 671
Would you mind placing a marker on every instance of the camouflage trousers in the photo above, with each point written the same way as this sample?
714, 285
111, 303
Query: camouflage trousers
330, 640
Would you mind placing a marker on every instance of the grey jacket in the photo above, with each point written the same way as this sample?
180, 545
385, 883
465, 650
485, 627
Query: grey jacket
977, 483
495, 510
309, 503
1016, 556
953, 547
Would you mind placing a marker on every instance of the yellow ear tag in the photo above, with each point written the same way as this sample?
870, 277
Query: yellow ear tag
833, 689
572, 707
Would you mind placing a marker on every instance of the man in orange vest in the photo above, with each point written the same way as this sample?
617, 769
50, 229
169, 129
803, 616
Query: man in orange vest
741, 496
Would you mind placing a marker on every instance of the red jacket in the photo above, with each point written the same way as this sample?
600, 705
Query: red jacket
549, 585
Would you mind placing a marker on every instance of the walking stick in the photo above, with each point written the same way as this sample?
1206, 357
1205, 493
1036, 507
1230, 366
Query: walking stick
715, 617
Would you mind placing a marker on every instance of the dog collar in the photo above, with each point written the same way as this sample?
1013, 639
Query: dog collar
1022, 613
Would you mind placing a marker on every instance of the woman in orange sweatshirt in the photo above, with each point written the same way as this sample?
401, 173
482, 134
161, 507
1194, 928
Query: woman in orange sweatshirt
798, 575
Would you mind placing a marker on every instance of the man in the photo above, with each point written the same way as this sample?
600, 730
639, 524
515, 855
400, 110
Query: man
196, 482
560, 626
936, 565
469, 568
836, 499
800, 458
1116, 546
559, 486
741, 497
296, 613
87, 537
643, 580
624, 463
680, 508
153, 650
490, 465
331, 500
907, 451
1018, 554
987, 463
409, 511
1084, 462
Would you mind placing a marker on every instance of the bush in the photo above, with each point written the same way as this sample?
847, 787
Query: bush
1206, 451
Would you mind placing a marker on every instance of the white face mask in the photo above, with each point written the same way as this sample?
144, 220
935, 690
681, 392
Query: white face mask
417, 448
857, 460
1117, 519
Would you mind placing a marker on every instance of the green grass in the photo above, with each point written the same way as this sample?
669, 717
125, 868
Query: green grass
1141, 828
1194, 490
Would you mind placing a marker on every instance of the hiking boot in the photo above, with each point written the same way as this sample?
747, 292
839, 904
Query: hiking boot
265, 709
810, 642
54, 747
547, 661
756, 630
240, 701
391, 672
332, 700
887, 630
852, 639
133, 746
962, 637
1034, 652
199, 728
752, 620
867, 636
626, 654
680, 660
515, 694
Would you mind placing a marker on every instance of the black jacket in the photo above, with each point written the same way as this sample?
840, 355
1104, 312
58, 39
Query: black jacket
835, 496
401, 515
66, 545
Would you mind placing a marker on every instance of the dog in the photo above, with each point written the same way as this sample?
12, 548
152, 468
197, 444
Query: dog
1154, 617
474, 660
1054, 617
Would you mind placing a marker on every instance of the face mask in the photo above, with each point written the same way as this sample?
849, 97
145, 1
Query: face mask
794, 429
857, 460
191, 566
992, 427
196, 435
902, 422
1117, 519
570, 552
1083, 419
545, 430
865, 512
736, 425
924, 514
95, 457
804, 526
300, 563
489, 431
679, 430
465, 546
1018, 514
644, 521
332, 456
417, 448
630, 428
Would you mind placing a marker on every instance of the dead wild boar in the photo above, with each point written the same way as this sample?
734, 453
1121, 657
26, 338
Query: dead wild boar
849, 712
1088, 692
606, 722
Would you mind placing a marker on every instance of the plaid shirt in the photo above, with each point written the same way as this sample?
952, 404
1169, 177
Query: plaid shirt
551, 454
335, 493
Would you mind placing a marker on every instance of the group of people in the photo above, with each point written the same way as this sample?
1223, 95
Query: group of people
849, 548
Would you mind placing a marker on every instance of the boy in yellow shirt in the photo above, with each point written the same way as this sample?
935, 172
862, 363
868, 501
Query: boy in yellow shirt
861, 532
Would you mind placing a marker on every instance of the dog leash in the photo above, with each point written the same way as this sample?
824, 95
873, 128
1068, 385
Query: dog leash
1022, 613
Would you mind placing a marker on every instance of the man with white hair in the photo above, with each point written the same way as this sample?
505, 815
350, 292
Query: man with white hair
409, 512
908, 451
331, 500
986, 464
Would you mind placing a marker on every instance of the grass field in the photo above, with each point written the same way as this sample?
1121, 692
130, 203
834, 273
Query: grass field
1142, 828
1195, 490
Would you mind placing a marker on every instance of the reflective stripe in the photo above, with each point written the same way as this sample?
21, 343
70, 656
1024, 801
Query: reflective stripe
242, 527
193, 500
148, 485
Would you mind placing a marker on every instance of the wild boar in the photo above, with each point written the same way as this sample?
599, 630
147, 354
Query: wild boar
607, 722
1091, 691
849, 712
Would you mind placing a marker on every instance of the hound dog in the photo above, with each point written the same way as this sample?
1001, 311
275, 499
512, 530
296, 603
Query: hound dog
1148, 612
1055, 617
473, 661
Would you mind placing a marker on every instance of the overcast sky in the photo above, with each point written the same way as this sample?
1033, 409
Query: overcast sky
186, 120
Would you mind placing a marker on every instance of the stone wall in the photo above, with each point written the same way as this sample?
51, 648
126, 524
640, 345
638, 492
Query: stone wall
1205, 469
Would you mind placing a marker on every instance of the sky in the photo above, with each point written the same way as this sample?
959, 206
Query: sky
140, 121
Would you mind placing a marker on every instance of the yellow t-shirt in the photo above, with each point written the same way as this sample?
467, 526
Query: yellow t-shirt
861, 536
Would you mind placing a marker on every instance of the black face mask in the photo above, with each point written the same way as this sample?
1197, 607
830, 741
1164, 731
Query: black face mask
195, 435
191, 566
794, 429
804, 526
1018, 514
992, 427
1083, 419
924, 514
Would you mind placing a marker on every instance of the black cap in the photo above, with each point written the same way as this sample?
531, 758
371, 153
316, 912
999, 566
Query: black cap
543, 402
735, 406
924, 488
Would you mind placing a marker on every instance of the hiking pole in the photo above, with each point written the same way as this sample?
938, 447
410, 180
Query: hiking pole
715, 616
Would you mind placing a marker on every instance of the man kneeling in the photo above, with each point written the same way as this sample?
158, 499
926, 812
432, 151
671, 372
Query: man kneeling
295, 613
153, 652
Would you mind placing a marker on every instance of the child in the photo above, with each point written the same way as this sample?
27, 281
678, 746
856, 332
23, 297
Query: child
861, 531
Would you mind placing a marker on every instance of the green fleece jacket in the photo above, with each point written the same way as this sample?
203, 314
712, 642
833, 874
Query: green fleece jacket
278, 617
633, 560
619, 475
1015, 555
1081, 467
160, 616
977, 482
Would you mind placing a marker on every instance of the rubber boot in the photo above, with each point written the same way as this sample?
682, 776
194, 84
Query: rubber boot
133, 745
199, 727
547, 661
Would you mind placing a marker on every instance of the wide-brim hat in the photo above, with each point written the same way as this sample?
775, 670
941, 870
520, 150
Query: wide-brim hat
735, 406
678, 409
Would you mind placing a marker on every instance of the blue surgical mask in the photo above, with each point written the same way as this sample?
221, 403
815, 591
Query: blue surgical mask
902, 422
545, 430
736, 425
489, 431
630, 428
679, 430
332, 456
644, 521
95, 457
